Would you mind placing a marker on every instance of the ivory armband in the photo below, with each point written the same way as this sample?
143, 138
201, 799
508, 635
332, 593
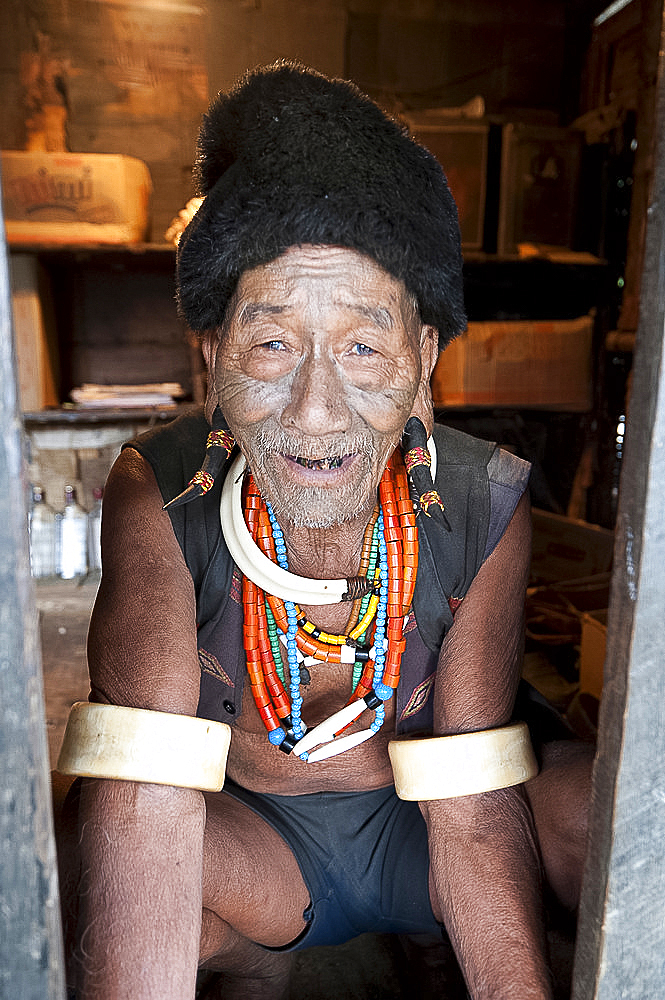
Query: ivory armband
444, 767
133, 744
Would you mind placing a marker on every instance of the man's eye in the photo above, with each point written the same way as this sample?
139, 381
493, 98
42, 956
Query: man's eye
362, 349
273, 345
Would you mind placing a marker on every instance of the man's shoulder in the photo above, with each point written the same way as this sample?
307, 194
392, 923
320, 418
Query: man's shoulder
455, 447
174, 450
188, 431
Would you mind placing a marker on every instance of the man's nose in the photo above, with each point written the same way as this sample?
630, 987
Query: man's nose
317, 403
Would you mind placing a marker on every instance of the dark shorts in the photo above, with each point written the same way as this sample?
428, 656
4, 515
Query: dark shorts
363, 856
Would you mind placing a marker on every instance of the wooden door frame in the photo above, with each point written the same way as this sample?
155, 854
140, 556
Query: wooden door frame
621, 932
31, 953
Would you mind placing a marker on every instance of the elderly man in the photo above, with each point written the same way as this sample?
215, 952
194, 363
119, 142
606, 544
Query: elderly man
341, 595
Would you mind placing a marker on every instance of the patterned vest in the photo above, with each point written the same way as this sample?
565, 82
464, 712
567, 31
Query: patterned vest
480, 486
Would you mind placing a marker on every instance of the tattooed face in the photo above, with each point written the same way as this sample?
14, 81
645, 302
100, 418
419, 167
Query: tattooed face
316, 371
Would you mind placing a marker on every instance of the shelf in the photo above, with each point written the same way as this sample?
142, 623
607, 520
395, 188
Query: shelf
554, 255
107, 313
532, 288
75, 249
103, 415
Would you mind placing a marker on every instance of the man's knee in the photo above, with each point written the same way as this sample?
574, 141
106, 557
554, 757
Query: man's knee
560, 794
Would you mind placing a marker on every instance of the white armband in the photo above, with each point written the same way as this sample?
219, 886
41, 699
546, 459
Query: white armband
444, 767
133, 744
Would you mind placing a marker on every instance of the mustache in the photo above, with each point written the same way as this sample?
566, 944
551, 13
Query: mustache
276, 440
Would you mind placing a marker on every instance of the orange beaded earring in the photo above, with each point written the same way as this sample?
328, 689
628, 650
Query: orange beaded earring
219, 446
418, 463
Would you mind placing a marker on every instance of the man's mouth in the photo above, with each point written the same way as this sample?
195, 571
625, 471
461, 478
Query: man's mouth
318, 463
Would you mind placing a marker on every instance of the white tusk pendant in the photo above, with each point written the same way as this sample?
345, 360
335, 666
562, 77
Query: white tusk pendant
327, 729
340, 745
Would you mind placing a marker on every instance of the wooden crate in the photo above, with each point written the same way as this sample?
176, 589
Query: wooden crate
565, 549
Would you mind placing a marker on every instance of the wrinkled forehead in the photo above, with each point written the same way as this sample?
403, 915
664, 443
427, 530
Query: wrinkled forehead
324, 279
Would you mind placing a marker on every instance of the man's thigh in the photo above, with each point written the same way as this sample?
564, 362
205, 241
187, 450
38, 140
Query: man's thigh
251, 879
363, 858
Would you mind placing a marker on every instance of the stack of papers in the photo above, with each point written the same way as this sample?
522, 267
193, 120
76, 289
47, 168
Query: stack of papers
152, 394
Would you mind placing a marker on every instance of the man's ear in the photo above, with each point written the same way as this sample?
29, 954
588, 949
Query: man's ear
429, 349
209, 345
429, 352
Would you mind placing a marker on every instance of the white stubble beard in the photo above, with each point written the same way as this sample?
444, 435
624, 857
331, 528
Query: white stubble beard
316, 506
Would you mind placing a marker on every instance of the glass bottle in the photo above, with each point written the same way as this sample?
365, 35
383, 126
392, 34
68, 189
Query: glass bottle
94, 531
42, 536
72, 538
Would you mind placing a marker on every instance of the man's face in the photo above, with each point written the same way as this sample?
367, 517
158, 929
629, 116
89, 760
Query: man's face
316, 371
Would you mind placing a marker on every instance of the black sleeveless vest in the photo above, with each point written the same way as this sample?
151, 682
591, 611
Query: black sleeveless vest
480, 487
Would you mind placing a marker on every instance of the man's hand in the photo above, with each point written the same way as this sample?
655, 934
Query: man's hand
485, 872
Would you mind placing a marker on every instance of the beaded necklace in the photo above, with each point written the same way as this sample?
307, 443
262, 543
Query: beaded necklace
316, 644
389, 562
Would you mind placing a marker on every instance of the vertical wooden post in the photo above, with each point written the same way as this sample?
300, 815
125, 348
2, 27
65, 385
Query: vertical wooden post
31, 962
621, 938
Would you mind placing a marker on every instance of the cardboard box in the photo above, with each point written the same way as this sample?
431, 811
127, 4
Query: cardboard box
592, 652
70, 198
544, 364
565, 548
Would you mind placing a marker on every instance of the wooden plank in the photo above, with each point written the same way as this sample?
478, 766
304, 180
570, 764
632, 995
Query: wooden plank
31, 962
621, 937
34, 334
646, 57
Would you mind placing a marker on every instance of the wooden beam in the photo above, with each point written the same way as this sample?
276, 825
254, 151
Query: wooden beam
649, 14
621, 936
31, 963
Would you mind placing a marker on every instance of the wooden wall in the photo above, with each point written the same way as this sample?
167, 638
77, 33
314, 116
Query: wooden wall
97, 77
128, 77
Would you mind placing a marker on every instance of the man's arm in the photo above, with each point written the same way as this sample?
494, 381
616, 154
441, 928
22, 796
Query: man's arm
141, 844
485, 867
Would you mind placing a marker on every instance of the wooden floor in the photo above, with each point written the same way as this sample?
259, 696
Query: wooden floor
372, 967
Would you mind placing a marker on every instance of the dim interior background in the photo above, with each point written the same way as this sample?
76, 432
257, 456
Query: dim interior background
542, 117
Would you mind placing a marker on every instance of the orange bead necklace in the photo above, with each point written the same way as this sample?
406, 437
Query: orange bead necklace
266, 615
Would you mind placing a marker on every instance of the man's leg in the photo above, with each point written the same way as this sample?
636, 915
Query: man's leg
560, 798
253, 895
246, 971
252, 892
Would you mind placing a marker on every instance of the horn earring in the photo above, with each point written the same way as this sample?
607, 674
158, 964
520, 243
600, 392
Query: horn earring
219, 446
418, 462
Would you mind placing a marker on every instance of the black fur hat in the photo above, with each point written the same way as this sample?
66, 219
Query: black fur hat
289, 157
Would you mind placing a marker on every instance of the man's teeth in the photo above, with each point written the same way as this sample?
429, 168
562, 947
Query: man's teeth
320, 463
